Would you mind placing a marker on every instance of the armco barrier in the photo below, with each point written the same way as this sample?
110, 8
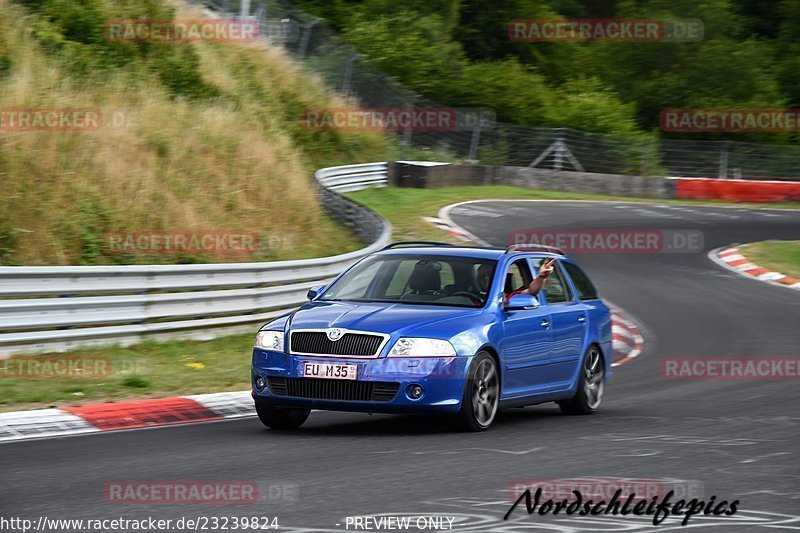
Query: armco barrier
737, 190
409, 174
426, 176
58, 308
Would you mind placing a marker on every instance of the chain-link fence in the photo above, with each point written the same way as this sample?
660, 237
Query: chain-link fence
315, 43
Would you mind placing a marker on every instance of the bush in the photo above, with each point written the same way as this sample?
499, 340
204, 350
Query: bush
75, 30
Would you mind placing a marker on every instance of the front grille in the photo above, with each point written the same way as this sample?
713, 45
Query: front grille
334, 389
317, 342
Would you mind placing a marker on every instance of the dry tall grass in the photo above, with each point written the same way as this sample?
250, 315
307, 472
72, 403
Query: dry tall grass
239, 161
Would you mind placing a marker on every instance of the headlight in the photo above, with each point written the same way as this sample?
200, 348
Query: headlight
414, 347
270, 340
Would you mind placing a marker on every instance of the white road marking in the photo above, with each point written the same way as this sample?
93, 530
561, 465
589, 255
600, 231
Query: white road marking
758, 458
456, 451
674, 439
477, 212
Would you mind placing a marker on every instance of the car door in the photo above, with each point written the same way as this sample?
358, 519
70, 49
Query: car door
568, 317
526, 340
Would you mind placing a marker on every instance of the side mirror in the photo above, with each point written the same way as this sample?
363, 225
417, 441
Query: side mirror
522, 301
314, 291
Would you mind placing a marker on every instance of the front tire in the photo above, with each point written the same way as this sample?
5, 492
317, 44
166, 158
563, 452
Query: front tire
481, 396
279, 417
591, 385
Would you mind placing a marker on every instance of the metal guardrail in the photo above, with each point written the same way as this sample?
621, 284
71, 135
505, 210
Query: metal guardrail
58, 308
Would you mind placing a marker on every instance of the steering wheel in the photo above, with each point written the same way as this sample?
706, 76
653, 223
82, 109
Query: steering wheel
469, 295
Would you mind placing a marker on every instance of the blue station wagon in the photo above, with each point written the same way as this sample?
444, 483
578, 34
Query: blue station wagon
413, 329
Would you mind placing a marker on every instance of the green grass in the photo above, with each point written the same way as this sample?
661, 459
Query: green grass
146, 370
778, 256
405, 207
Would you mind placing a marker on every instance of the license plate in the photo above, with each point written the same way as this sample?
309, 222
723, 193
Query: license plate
330, 371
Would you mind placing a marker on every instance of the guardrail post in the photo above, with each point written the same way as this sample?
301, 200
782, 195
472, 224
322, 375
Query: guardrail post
648, 151
560, 148
474, 142
407, 131
348, 72
260, 15
301, 53
723, 161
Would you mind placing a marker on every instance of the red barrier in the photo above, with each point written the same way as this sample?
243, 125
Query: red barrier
737, 190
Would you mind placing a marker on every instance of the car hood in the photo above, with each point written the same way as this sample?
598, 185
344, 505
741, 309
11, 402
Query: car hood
376, 317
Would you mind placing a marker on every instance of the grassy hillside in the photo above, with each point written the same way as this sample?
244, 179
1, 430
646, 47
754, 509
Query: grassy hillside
210, 140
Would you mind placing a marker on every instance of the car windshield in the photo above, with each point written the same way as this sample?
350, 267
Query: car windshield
416, 279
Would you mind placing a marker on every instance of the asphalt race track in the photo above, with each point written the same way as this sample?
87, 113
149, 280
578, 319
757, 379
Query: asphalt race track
730, 439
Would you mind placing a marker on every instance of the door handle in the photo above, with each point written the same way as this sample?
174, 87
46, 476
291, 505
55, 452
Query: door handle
545, 323
581, 319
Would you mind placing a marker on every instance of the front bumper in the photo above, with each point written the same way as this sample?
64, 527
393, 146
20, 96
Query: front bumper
442, 380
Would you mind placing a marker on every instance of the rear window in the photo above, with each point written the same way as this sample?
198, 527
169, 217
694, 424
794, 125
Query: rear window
586, 290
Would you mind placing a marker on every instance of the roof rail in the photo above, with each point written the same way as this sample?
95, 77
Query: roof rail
534, 248
414, 243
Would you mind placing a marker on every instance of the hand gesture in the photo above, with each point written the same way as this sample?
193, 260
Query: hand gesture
547, 268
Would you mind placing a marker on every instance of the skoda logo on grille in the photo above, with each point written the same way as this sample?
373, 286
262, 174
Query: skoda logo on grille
334, 334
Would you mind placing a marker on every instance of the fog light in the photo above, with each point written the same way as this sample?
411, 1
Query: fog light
415, 392
260, 383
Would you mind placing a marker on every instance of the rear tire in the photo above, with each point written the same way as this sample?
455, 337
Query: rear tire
280, 417
481, 397
591, 385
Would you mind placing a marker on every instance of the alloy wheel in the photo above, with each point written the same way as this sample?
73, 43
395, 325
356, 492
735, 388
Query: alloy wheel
485, 392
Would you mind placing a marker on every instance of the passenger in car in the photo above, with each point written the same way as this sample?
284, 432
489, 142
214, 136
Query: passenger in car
485, 277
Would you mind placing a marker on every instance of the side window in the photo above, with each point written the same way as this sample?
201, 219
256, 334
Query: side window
583, 284
556, 288
518, 276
